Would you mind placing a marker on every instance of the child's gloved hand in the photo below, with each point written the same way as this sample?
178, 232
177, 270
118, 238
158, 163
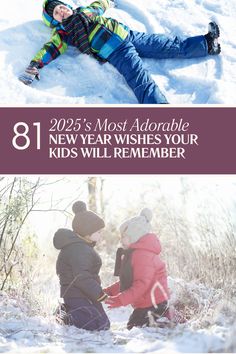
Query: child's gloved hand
28, 76
102, 297
113, 302
107, 291
113, 3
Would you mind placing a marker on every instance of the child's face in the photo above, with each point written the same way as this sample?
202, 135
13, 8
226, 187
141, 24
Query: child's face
61, 12
96, 236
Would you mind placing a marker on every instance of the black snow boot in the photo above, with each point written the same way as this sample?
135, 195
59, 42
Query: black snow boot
212, 39
62, 317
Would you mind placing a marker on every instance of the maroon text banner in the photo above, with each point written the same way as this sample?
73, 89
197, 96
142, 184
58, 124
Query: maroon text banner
118, 140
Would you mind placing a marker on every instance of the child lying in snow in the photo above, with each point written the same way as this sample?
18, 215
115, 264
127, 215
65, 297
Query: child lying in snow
143, 277
109, 40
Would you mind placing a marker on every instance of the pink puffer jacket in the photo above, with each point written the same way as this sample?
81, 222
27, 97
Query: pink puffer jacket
149, 285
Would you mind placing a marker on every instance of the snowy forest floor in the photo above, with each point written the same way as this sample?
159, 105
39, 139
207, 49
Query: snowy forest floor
210, 328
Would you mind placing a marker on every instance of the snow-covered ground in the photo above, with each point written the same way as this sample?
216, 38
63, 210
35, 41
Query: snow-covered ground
210, 330
78, 79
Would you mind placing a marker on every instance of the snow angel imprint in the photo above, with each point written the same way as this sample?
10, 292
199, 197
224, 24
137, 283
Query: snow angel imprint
106, 39
143, 276
78, 266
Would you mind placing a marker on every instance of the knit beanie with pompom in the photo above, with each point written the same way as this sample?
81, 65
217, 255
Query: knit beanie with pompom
85, 222
50, 6
137, 226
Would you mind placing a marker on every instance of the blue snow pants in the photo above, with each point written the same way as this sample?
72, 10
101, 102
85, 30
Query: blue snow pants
127, 60
87, 315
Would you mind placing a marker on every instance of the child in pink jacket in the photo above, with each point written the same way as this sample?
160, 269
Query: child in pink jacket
143, 276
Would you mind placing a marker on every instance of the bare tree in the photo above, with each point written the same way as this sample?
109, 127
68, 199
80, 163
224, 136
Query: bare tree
92, 193
101, 196
18, 199
95, 194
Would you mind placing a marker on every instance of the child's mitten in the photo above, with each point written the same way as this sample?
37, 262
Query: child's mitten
113, 301
112, 4
30, 73
103, 296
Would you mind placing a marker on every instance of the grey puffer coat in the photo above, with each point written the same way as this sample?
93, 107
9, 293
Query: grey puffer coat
78, 266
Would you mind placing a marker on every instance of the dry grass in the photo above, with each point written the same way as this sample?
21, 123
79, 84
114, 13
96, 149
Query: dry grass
201, 250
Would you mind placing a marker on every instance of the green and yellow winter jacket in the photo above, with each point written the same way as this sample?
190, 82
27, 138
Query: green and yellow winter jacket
86, 29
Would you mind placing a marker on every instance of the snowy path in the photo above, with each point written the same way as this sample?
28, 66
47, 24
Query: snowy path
78, 79
22, 334
210, 331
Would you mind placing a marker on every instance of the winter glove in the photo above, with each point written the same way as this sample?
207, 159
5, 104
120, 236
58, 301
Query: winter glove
107, 291
30, 73
102, 297
113, 302
113, 289
113, 3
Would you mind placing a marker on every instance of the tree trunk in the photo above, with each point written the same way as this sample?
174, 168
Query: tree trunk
92, 190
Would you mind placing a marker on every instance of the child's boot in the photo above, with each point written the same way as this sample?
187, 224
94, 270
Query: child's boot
212, 39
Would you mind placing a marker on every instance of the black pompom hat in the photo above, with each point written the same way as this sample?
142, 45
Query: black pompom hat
51, 6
